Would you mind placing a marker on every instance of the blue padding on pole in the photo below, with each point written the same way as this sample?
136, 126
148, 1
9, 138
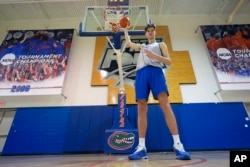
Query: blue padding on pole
117, 40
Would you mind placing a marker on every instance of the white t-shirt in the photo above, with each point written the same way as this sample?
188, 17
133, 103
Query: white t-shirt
144, 60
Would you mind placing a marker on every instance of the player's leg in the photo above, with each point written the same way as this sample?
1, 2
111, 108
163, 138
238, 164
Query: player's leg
142, 119
170, 119
142, 92
141, 151
168, 113
160, 92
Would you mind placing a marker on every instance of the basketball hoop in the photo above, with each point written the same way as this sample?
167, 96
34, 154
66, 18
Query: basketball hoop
112, 17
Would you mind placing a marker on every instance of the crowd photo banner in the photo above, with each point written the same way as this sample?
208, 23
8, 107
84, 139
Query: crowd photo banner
34, 62
229, 51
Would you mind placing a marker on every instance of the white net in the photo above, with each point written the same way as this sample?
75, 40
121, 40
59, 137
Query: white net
112, 17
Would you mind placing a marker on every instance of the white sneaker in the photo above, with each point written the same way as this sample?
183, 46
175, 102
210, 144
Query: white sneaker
140, 153
180, 152
179, 147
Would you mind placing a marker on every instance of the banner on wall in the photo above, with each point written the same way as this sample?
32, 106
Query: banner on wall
34, 62
229, 50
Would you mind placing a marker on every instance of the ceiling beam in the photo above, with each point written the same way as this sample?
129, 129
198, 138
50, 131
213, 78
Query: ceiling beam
237, 7
161, 7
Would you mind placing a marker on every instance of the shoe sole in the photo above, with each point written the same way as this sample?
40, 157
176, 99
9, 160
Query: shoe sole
145, 157
185, 157
182, 157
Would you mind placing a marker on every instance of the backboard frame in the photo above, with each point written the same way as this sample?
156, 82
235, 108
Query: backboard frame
99, 30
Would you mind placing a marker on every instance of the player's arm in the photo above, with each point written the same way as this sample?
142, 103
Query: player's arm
132, 45
165, 54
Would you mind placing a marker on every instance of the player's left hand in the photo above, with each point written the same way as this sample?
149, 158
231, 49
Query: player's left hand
149, 53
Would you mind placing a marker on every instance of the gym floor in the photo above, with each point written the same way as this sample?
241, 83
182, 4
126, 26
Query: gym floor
156, 159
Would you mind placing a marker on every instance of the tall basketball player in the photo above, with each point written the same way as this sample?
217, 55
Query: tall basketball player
150, 77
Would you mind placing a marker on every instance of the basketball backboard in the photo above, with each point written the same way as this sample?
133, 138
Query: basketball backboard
96, 20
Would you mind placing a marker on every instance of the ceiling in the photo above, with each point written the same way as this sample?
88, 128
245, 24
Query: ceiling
12, 10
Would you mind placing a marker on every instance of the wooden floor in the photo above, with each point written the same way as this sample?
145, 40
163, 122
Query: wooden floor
159, 159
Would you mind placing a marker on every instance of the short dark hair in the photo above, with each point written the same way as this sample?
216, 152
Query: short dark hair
149, 26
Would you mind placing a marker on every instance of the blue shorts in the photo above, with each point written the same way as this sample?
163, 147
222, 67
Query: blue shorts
150, 78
